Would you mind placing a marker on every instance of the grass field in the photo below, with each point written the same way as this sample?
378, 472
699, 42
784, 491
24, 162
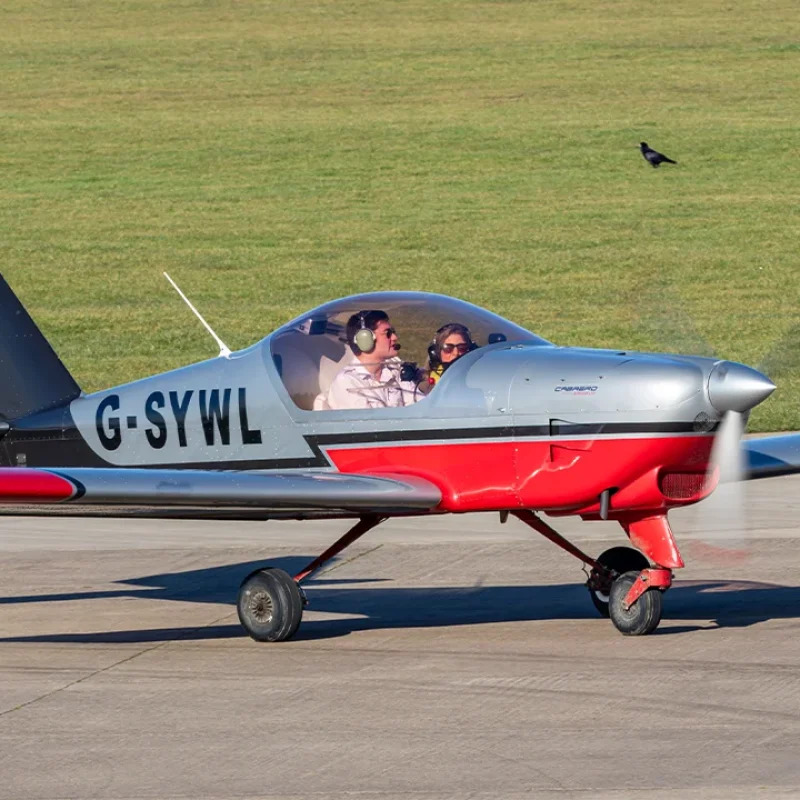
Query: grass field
274, 155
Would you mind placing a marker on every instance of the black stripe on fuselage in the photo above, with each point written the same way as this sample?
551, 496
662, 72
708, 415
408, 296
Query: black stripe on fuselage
66, 447
51, 451
554, 429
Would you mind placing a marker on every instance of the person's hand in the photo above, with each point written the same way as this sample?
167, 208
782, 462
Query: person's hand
410, 372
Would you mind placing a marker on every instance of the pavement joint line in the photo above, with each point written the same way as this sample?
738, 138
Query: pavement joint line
455, 561
110, 667
79, 680
491, 794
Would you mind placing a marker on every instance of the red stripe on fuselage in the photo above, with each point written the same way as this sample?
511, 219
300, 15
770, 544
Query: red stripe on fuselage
538, 474
23, 485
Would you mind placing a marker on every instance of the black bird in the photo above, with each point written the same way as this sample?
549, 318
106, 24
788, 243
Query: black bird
654, 158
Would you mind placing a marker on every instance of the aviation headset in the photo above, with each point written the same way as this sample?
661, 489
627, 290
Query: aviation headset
434, 356
364, 337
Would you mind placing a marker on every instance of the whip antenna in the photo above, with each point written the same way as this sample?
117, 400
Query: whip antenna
224, 350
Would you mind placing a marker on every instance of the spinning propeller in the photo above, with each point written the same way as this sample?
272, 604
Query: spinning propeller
720, 521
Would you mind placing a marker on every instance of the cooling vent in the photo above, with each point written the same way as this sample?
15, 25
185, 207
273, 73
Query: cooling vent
682, 485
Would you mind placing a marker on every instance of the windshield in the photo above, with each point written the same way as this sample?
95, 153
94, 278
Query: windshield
310, 350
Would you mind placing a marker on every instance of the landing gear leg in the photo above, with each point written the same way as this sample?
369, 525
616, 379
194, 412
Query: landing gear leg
636, 598
270, 603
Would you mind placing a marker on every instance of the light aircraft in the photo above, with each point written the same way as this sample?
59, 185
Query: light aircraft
516, 426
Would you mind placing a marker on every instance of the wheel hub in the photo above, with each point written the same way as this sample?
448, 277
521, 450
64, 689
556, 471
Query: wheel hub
260, 607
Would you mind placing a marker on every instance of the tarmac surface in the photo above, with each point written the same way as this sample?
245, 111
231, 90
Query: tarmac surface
439, 658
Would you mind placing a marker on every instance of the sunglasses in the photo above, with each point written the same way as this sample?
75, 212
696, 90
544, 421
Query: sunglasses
390, 332
462, 348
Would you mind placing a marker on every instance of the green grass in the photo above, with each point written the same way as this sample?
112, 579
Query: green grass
275, 155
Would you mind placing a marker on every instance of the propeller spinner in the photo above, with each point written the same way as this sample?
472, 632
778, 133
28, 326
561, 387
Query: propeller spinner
738, 388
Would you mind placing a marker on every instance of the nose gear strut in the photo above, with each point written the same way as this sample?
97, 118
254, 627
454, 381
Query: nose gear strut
622, 583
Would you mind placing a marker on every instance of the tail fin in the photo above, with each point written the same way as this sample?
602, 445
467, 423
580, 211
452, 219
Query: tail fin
32, 377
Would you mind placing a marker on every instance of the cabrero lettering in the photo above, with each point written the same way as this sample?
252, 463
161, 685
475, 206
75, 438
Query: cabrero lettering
576, 389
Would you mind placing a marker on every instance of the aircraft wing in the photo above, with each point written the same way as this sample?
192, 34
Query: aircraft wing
305, 492
769, 456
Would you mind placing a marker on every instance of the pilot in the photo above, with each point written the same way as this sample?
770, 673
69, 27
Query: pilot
372, 379
449, 343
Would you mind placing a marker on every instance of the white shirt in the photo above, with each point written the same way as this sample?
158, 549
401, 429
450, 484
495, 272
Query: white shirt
355, 387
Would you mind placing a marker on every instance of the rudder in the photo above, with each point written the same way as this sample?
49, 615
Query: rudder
32, 377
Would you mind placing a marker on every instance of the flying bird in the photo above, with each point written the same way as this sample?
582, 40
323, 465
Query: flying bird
653, 157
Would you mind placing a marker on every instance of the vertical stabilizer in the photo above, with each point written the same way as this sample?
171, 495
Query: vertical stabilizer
32, 377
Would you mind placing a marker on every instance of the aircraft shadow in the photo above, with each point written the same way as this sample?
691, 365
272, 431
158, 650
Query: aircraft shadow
208, 585
727, 604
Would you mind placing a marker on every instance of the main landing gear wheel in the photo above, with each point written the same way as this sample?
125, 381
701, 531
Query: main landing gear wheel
618, 560
270, 605
643, 616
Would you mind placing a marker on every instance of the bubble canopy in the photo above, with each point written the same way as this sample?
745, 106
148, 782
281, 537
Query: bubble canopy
309, 350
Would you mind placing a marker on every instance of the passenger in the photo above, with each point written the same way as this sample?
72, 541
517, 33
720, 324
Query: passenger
450, 343
372, 379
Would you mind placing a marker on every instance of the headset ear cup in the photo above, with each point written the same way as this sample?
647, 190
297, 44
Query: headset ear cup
433, 356
365, 340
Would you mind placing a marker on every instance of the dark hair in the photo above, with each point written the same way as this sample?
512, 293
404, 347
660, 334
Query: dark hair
435, 347
364, 319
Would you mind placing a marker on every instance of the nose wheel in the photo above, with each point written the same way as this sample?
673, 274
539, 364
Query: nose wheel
624, 587
641, 616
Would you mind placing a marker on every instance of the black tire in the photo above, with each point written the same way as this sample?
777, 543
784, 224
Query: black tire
643, 616
270, 605
619, 560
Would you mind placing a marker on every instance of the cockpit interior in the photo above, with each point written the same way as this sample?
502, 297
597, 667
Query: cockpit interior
309, 351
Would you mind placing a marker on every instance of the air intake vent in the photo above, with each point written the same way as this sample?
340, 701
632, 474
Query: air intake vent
683, 485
